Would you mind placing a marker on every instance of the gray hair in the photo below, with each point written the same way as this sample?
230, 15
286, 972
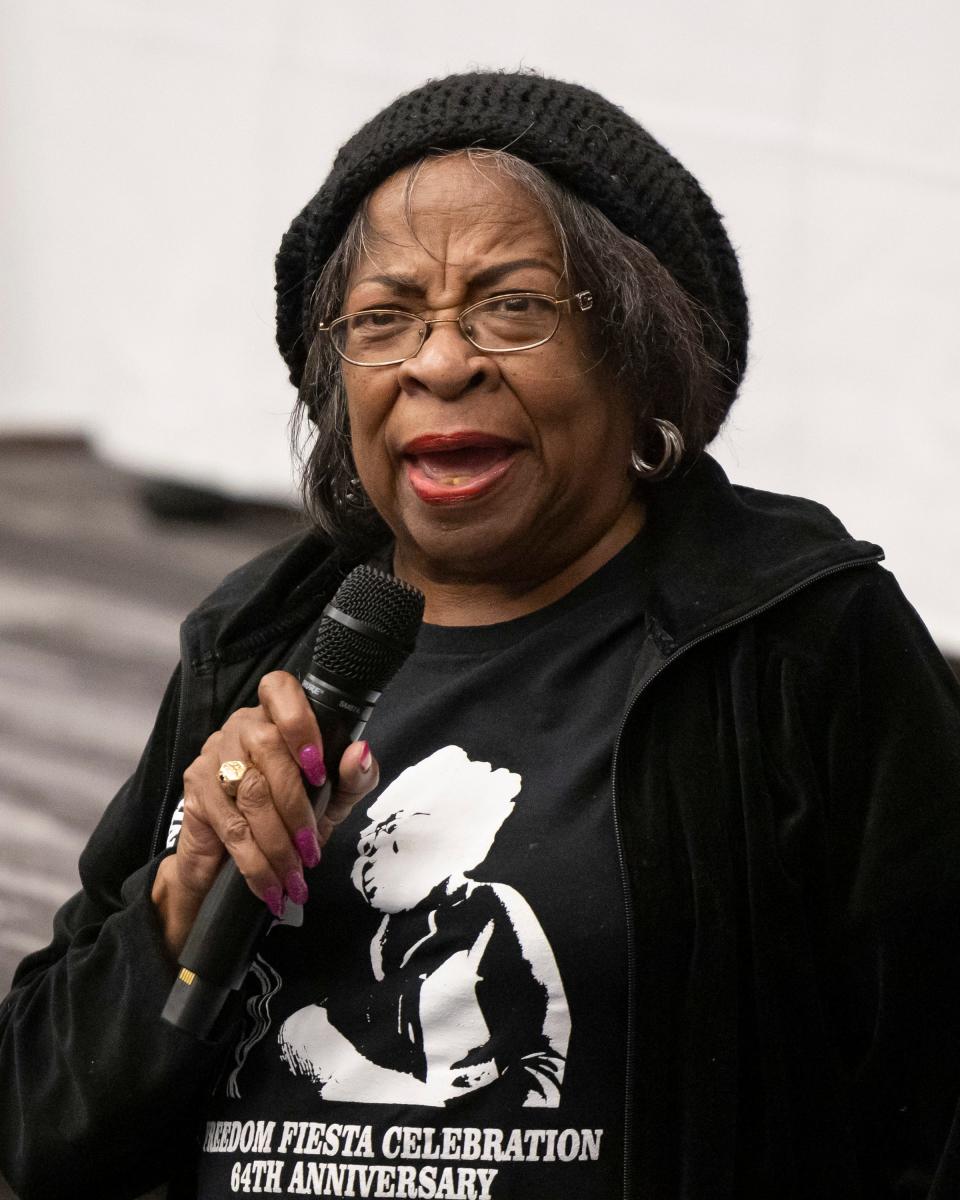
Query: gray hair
646, 328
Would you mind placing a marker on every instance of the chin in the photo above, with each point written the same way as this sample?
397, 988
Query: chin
460, 541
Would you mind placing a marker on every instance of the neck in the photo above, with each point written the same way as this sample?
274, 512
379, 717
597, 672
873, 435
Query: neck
455, 598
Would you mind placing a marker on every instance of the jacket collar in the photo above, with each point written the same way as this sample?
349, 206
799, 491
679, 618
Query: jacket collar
268, 599
720, 552
717, 553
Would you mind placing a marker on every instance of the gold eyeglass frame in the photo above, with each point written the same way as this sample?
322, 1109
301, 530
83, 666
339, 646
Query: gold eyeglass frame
584, 302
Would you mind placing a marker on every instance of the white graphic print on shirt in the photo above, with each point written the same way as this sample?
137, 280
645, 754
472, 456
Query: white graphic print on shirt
435, 822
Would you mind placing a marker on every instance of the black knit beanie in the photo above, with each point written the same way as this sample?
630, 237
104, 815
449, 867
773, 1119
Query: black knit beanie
571, 133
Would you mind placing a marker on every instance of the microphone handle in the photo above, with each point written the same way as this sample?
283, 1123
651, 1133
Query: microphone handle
232, 920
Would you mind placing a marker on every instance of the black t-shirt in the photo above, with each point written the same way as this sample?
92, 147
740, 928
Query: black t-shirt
449, 1019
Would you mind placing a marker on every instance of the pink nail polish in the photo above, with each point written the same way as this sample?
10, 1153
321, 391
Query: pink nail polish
311, 761
307, 846
366, 758
273, 898
297, 888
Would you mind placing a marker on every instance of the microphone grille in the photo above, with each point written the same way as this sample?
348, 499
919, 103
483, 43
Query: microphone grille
391, 609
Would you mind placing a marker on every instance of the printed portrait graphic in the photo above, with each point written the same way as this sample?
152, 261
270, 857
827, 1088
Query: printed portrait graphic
463, 991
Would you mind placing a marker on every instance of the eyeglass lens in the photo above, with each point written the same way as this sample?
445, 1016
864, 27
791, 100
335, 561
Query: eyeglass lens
501, 323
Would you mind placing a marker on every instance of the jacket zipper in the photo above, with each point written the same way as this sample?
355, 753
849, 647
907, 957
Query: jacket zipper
621, 857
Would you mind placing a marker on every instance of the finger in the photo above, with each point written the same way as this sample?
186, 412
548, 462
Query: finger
359, 775
199, 851
206, 804
287, 708
275, 803
257, 806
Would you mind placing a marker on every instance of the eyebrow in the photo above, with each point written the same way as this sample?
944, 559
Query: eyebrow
408, 285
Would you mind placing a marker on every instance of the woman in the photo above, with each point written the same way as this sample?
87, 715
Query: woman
725, 892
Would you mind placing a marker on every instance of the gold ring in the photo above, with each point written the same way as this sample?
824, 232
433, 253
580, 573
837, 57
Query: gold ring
230, 774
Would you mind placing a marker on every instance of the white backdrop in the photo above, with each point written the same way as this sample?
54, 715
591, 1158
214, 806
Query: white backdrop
152, 155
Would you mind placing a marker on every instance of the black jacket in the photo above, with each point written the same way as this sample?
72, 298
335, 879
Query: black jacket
787, 787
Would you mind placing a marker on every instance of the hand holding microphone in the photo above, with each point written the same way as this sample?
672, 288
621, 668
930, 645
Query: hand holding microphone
269, 826
214, 912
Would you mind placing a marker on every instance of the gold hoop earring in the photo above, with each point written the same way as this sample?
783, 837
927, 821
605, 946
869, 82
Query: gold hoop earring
669, 460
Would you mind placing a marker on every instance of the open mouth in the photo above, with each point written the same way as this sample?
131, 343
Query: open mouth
450, 469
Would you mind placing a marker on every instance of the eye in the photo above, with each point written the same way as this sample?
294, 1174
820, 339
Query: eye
513, 304
378, 319
377, 334
513, 321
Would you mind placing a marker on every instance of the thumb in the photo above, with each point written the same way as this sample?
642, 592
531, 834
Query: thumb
359, 775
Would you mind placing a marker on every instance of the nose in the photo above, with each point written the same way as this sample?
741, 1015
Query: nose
448, 366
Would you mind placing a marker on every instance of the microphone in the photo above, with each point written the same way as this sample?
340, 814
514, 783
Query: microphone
367, 631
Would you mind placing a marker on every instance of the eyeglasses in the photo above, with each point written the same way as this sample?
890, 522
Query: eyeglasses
383, 337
